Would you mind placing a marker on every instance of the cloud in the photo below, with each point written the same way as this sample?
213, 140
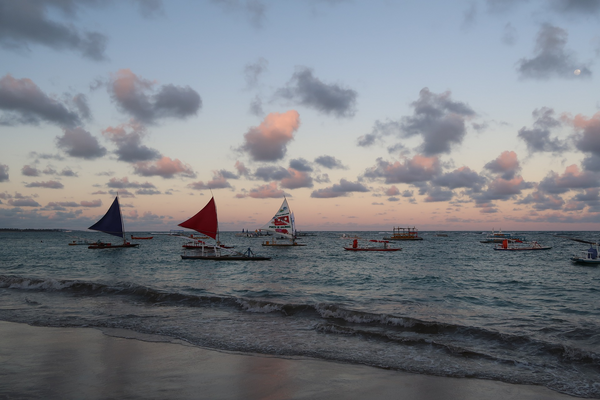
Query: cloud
587, 136
268, 141
129, 145
24, 103
506, 164
80, 101
254, 10
46, 156
150, 8
24, 202
4, 173
380, 130
252, 72
437, 194
165, 167
93, 203
551, 60
122, 193
502, 189
256, 107
147, 192
30, 171
300, 164
439, 120
585, 8
538, 139
392, 191
307, 90
67, 172
297, 179
27, 22
417, 169
463, 177
80, 143
136, 96
124, 183
46, 184
271, 173
330, 162
61, 205
218, 182
267, 191
572, 178
338, 190
241, 169
542, 201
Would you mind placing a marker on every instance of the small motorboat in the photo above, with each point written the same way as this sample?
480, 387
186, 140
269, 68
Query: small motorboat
384, 247
514, 246
589, 256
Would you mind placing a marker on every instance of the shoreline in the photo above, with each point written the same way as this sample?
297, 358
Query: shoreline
63, 363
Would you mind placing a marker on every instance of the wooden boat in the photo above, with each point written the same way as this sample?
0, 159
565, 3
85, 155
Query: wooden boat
282, 224
404, 234
206, 222
111, 223
141, 237
512, 246
589, 256
356, 247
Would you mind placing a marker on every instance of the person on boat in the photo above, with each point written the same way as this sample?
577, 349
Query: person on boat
355, 243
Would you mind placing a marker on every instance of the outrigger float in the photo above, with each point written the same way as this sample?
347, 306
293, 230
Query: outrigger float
356, 247
511, 246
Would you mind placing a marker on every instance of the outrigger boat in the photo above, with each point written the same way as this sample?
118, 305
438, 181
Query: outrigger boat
511, 246
499, 237
404, 234
589, 256
111, 223
206, 222
282, 224
356, 247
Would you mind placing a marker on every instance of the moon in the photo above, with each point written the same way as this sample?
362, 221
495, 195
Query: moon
577, 71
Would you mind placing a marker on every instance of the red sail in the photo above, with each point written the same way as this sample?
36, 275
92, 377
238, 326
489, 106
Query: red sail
205, 221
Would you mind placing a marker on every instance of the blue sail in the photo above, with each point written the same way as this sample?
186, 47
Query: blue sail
111, 223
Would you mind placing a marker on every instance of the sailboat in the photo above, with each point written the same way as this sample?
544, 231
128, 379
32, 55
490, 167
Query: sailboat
282, 223
111, 223
206, 222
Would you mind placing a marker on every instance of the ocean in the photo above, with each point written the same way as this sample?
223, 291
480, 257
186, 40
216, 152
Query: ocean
445, 306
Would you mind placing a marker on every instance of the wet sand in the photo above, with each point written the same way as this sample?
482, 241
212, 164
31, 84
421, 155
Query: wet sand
84, 363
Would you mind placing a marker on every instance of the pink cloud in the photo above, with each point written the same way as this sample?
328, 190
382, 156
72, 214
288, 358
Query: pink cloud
392, 191
268, 141
218, 182
46, 184
165, 167
264, 192
417, 169
297, 179
506, 164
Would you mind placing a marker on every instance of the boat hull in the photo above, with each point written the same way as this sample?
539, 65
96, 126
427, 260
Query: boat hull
587, 261
367, 249
283, 245
522, 248
111, 246
402, 238
142, 238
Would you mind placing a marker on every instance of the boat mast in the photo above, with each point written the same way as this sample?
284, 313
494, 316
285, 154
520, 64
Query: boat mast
121, 215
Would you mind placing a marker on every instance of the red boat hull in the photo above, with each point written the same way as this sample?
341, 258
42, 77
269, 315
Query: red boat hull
366, 249
111, 246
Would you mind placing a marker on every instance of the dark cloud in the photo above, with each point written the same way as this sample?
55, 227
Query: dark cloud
551, 59
437, 194
572, 178
253, 10
538, 138
68, 172
46, 184
30, 171
137, 97
166, 167
330, 162
583, 7
78, 142
268, 141
45, 156
462, 177
122, 193
25, 202
23, 102
147, 192
271, 173
502, 189
417, 169
309, 91
4, 173
338, 190
300, 164
129, 145
124, 183
27, 22
505, 164
252, 72
591, 163
80, 101
542, 201
587, 135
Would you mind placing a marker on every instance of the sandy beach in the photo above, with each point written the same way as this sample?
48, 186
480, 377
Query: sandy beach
82, 363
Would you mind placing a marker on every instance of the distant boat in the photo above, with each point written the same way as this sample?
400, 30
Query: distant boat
384, 247
141, 237
404, 234
282, 224
344, 236
111, 223
80, 243
206, 222
440, 234
512, 246
589, 256
499, 237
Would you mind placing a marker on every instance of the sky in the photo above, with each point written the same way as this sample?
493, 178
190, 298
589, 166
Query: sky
462, 115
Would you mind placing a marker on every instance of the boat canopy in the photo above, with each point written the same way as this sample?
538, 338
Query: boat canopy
205, 221
111, 223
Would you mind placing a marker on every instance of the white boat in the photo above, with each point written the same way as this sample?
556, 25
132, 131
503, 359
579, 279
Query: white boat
589, 256
518, 246
282, 224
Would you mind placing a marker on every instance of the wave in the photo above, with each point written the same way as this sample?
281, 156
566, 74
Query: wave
333, 319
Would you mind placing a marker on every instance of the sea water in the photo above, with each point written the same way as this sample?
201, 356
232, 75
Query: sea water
445, 306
